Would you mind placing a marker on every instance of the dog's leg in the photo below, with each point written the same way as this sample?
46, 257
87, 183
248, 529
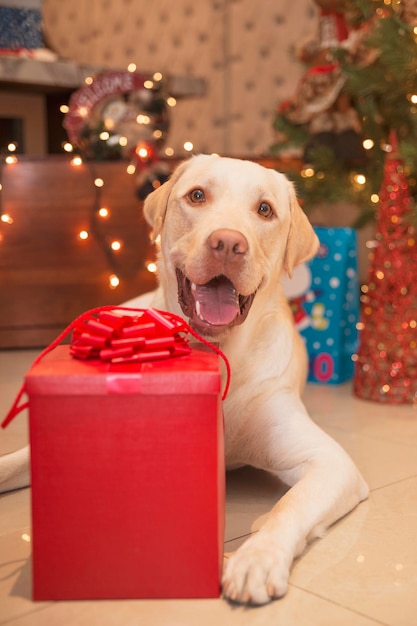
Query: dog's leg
14, 470
325, 485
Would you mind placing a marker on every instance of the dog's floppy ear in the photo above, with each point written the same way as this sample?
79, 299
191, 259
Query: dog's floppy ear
155, 206
302, 242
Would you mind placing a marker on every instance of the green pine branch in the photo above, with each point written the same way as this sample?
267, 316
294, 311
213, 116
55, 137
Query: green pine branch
382, 93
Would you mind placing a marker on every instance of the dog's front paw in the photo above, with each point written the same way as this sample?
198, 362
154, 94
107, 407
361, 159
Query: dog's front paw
257, 573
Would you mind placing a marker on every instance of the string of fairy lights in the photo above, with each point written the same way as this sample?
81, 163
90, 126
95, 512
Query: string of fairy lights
9, 158
143, 154
101, 212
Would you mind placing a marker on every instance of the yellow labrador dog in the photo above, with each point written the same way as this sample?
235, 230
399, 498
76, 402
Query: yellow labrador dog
228, 230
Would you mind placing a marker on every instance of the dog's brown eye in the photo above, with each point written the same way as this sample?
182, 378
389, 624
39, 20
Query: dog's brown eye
265, 210
197, 195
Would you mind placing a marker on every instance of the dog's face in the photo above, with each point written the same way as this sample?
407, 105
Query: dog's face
228, 228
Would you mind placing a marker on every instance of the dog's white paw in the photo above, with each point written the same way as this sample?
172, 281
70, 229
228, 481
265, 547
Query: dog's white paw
257, 573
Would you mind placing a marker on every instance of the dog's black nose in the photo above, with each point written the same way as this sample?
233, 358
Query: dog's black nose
228, 244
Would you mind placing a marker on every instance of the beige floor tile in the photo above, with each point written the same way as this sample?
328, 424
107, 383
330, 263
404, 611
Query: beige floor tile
13, 366
298, 608
15, 577
380, 461
337, 407
368, 561
14, 513
250, 494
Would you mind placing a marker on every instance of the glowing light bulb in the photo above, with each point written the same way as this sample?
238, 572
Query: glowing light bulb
131, 169
151, 267
68, 147
157, 76
6, 218
169, 152
115, 245
148, 84
99, 182
171, 102
360, 179
83, 235
103, 212
12, 147
64, 108
76, 161
88, 80
307, 172
131, 67
11, 160
143, 119
142, 152
188, 146
113, 281
368, 144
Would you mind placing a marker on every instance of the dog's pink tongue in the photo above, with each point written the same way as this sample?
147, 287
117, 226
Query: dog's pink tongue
216, 302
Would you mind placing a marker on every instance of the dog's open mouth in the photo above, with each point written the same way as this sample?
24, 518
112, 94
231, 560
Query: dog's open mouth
214, 306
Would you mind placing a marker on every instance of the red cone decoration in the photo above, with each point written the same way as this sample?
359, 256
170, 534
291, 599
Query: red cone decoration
386, 363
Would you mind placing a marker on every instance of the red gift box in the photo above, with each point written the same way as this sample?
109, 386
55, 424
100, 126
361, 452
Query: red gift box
128, 479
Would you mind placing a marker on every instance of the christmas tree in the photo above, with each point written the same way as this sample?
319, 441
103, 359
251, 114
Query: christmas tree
360, 84
386, 363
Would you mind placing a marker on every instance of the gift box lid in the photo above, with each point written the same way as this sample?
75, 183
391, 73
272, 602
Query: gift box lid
58, 373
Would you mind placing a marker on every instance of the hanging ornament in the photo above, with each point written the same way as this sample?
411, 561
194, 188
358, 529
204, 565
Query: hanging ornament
150, 172
386, 365
109, 117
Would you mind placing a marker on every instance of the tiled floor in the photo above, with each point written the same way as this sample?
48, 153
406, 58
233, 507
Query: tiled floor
363, 572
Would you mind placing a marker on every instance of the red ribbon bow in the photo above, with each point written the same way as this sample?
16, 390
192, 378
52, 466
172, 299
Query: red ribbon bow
106, 334
119, 338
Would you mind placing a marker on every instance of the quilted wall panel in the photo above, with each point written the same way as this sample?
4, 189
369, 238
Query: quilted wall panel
243, 49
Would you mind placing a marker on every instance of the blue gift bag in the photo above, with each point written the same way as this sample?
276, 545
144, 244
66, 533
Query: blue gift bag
324, 296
